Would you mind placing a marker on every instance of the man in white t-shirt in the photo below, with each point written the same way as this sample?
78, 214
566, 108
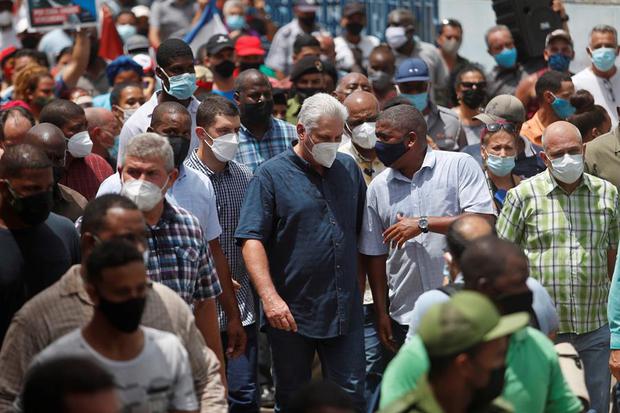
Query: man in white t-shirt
150, 367
352, 47
601, 79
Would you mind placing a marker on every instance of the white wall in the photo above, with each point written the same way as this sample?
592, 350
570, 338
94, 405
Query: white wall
477, 16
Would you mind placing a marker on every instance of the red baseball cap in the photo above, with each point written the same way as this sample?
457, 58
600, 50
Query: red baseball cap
249, 46
6, 53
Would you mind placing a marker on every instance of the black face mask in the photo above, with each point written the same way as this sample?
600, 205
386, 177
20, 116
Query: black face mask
307, 21
381, 81
180, 148
125, 316
484, 396
247, 66
473, 98
32, 209
257, 112
354, 28
306, 92
516, 303
225, 69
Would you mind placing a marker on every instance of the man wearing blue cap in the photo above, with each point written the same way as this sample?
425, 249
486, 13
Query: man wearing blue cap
414, 82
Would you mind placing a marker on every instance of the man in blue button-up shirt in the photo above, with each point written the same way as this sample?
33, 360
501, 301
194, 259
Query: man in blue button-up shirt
299, 225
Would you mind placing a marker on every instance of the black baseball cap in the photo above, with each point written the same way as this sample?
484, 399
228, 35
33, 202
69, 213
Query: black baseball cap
219, 42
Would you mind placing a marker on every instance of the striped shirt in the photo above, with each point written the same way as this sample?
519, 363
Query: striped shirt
566, 238
252, 151
230, 185
179, 257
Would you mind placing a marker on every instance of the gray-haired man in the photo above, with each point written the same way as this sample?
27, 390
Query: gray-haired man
602, 79
300, 249
178, 255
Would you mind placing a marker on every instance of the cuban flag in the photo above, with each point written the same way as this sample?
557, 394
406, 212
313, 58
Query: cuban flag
209, 25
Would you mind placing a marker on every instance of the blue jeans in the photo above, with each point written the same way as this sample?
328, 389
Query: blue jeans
593, 348
375, 355
242, 375
342, 361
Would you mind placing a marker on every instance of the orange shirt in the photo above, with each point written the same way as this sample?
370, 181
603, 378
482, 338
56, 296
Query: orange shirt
533, 130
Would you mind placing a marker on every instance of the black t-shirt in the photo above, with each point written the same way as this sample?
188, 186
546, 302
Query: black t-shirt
31, 260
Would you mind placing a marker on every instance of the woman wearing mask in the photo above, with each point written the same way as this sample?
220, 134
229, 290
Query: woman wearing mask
591, 120
125, 99
499, 149
470, 87
35, 86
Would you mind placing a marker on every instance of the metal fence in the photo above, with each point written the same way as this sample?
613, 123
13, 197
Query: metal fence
426, 12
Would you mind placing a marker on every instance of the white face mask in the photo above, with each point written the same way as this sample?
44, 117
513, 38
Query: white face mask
364, 135
451, 46
80, 145
324, 153
6, 19
146, 195
224, 147
396, 37
568, 168
127, 113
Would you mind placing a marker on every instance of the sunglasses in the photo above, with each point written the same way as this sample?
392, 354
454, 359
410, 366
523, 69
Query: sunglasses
494, 127
470, 85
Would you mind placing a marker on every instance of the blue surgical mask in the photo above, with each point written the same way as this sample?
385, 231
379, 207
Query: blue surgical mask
500, 165
182, 86
604, 58
389, 153
562, 107
507, 58
113, 151
559, 62
418, 100
235, 22
125, 31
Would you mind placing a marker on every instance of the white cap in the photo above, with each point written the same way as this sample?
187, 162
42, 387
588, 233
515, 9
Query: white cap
141, 11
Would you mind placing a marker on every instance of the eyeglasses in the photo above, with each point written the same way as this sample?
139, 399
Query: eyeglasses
471, 85
494, 127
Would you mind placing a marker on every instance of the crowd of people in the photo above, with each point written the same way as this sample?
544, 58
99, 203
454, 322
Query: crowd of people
286, 218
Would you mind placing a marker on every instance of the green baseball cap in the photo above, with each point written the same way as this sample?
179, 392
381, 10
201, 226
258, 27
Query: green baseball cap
467, 319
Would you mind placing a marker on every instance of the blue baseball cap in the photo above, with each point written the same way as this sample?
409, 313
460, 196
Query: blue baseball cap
412, 70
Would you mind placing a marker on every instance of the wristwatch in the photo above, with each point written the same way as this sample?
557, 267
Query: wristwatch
423, 224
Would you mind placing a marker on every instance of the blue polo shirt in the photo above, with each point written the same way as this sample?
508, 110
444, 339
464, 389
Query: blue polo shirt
309, 225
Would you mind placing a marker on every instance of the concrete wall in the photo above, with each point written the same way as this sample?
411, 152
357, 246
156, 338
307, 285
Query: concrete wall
477, 16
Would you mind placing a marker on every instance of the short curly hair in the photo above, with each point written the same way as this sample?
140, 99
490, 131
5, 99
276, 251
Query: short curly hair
27, 80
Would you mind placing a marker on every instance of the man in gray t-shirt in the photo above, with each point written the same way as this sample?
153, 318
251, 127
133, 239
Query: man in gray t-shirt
150, 367
168, 17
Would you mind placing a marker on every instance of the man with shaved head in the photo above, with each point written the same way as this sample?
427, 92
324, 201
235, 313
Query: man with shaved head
103, 128
363, 108
51, 140
350, 83
261, 136
567, 222
409, 208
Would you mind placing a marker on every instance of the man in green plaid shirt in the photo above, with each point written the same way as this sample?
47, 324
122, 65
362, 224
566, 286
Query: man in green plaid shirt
567, 223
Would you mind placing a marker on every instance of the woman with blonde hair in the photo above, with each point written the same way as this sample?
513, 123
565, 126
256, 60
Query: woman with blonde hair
35, 86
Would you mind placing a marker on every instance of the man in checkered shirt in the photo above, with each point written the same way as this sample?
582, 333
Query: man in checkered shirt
217, 129
178, 255
567, 223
